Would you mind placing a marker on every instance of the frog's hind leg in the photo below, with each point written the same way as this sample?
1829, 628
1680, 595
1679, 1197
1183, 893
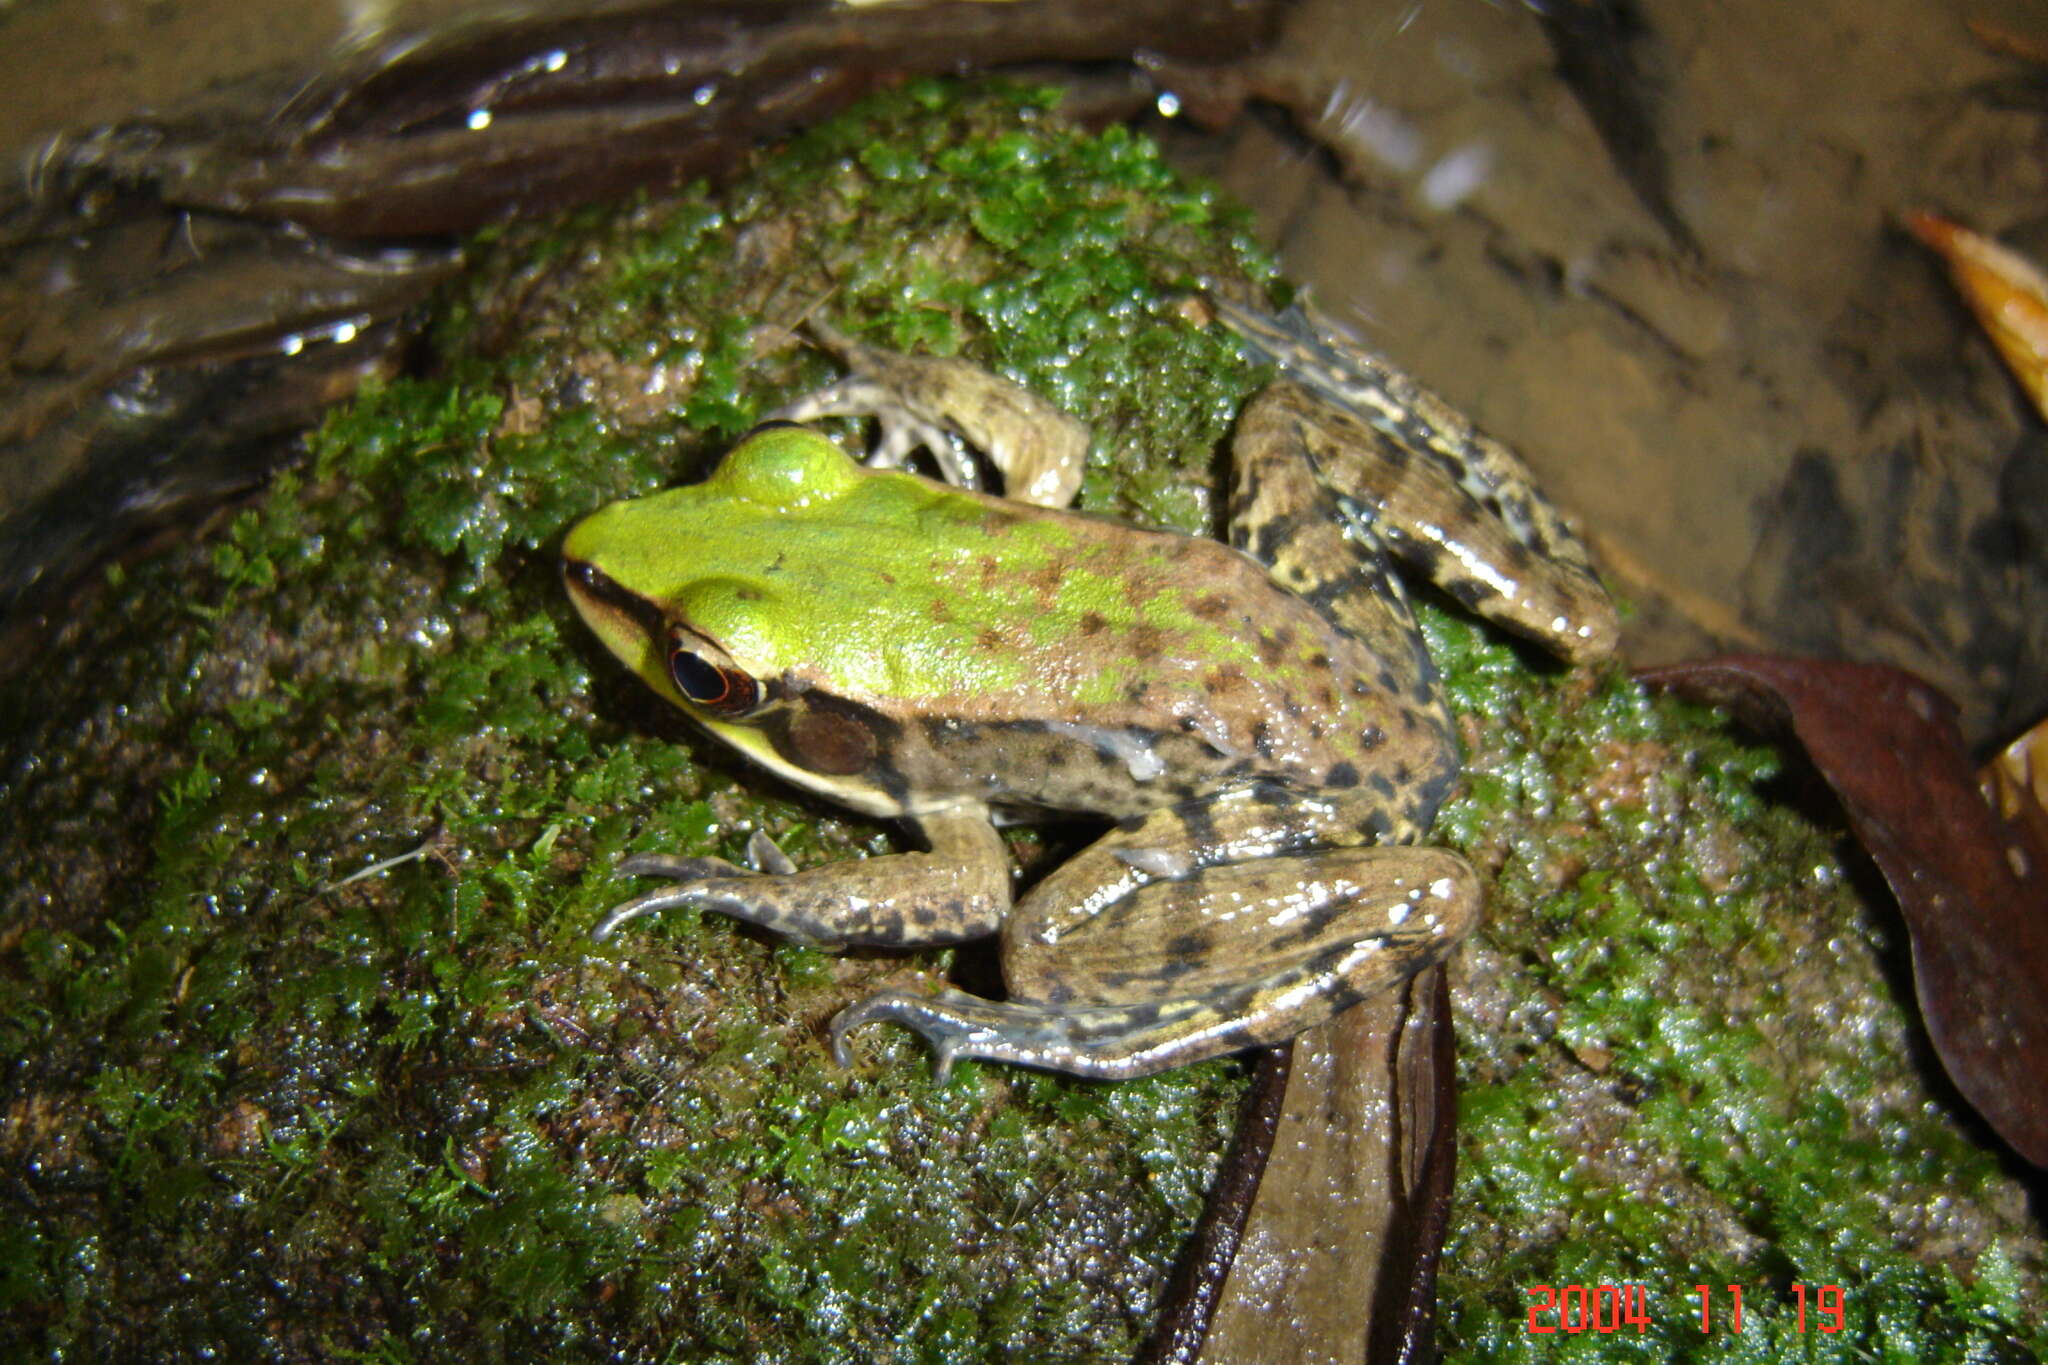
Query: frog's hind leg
1365, 920
939, 401
1328, 551
1183, 956
1454, 501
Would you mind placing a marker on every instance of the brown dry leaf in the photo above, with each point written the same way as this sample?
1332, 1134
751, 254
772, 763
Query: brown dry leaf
1197, 1286
2010, 41
2006, 291
2015, 782
1968, 881
1336, 1261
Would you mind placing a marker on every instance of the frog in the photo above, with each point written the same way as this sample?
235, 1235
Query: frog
1259, 722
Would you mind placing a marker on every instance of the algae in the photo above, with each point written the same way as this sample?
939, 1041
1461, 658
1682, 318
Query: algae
308, 1054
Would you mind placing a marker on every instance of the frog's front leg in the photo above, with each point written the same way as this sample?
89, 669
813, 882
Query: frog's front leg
957, 891
1159, 945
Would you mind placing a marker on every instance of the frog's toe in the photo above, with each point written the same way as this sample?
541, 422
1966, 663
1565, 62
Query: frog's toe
953, 1023
765, 855
902, 428
691, 877
688, 874
903, 431
1103, 1042
678, 869
663, 898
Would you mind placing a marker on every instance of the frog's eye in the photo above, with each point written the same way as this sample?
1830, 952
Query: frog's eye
707, 678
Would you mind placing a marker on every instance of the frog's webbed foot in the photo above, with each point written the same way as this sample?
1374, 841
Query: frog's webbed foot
954, 1023
1104, 1042
939, 402
904, 429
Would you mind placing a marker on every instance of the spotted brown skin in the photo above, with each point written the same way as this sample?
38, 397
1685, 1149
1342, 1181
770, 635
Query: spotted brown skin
1458, 505
1261, 721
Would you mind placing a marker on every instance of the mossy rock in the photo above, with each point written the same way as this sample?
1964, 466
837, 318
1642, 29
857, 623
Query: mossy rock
310, 1056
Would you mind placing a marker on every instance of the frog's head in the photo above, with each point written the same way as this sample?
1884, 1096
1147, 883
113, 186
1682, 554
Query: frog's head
682, 599
711, 593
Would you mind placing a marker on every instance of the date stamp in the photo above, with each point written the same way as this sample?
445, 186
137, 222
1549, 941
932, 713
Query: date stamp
1575, 1308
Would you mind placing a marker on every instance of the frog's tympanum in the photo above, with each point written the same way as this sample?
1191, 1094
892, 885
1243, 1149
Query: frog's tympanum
1261, 721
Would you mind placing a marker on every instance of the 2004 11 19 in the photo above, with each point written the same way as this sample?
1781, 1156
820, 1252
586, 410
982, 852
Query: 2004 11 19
1575, 1308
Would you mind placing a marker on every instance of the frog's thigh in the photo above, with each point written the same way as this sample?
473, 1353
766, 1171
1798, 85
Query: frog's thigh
1450, 499
1220, 930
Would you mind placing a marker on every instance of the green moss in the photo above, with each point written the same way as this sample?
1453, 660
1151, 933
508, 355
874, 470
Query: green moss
309, 1054
1686, 1064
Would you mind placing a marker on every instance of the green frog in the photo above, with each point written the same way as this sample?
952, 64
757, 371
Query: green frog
1260, 721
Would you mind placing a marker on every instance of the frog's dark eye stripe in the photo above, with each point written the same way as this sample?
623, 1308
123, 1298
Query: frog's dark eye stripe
599, 586
722, 691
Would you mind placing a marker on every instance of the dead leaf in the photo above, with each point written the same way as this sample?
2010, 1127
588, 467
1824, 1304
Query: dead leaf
1191, 1298
2006, 291
1336, 1261
2011, 42
2015, 782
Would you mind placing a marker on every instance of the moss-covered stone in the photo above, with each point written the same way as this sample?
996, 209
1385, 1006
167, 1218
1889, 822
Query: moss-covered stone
1684, 1060
308, 1053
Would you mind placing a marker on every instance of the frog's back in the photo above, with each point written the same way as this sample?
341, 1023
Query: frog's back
1131, 670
